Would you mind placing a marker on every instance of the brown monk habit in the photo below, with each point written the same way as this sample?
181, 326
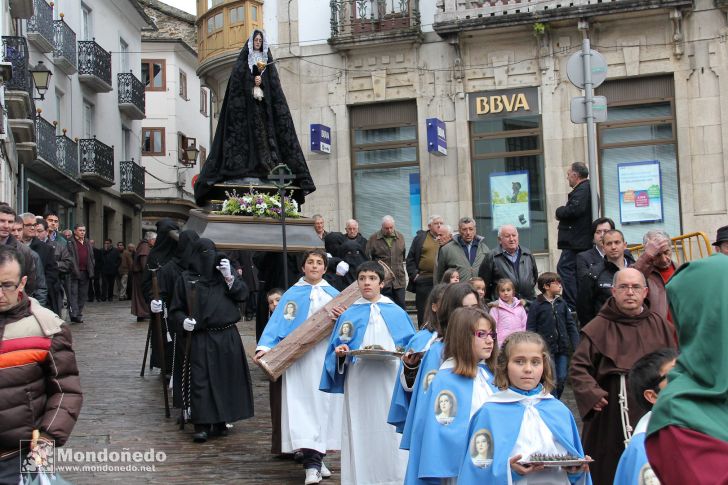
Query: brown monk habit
610, 344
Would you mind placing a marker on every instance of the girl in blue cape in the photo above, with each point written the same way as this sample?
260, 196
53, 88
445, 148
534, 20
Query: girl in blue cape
429, 332
462, 384
455, 296
521, 420
369, 452
310, 419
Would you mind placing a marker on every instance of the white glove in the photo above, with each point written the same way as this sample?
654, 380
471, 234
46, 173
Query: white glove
156, 306
342, 268
224, 268
189, 324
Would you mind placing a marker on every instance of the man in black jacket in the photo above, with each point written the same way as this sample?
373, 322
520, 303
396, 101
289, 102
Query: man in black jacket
110, 261
421, 261
47, 259
575, 233
595, 287
586, 259
510, 260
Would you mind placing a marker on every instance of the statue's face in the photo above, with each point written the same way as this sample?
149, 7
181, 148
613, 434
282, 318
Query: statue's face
258, 42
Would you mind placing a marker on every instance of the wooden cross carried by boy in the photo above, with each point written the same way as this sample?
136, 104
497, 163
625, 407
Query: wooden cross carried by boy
316, 328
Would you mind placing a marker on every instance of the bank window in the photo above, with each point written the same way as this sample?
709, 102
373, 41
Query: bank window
237, 15
638, 168
386, 176
215, 23
153, 141
508, 179
153, 74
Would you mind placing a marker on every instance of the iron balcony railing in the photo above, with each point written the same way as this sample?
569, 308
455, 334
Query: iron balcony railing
360, 18
15, 51
46, 140
40, 25
131, 91
132, 178
67, 155
64, 43
97, 161
94, 60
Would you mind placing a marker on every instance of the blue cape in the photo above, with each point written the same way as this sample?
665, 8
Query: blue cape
503, 422
278, 326
431, 362
439, 451
400, 396
357, 316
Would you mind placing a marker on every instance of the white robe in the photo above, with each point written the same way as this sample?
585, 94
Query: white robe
310, 418
370, 451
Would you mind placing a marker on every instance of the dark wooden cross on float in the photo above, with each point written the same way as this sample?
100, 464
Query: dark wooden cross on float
282, 177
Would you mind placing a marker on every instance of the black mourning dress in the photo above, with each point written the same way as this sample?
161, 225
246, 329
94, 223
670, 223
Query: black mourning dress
253, 136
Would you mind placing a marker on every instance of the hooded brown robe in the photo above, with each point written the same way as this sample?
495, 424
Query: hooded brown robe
610, 344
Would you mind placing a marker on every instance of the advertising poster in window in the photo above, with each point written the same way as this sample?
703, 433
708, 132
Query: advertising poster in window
509, 199
640, 192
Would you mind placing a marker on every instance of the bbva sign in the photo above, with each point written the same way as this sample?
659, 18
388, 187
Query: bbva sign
503, 103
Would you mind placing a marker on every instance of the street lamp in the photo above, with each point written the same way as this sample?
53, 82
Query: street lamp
191, 151
41, 78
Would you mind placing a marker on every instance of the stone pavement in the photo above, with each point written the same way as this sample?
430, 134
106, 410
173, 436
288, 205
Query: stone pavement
124, 412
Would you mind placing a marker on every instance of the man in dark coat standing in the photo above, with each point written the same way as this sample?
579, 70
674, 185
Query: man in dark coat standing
95, 292
421, 262
111, 259
575, 233
624, 331
510, 260
47, 259
82, 257
206, 305
387, 245
139, 306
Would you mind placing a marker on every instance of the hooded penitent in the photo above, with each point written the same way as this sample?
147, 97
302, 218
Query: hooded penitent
164, 248
204, 259
252, 135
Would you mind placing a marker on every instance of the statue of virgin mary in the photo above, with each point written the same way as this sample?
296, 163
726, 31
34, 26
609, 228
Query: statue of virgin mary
255, 131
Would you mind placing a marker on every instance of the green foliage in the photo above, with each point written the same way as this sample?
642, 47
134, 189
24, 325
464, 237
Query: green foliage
258, 204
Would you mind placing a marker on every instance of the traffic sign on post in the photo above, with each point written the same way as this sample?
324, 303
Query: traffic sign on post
578, 109
575, 69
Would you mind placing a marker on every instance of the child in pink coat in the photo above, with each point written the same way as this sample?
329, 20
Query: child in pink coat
508, 312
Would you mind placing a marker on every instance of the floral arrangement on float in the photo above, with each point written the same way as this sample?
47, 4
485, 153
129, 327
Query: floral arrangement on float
258, 204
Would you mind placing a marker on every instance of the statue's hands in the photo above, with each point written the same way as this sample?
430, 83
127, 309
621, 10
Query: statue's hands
258, 80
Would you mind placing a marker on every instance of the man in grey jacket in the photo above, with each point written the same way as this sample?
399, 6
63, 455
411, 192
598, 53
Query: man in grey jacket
387, 245
465, 252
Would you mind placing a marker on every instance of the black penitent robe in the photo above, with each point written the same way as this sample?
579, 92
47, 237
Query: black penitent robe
220, 385
253, 136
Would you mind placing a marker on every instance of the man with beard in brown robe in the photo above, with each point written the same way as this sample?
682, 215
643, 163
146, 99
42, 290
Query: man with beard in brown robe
139, 305
624, 330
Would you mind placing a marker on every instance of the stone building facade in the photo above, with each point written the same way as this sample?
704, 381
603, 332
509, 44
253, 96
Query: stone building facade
494, 74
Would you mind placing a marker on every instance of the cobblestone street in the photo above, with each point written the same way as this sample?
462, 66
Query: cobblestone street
123, 411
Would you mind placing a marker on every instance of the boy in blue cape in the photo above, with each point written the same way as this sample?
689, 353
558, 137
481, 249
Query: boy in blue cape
369, 452
310, 419
647, 378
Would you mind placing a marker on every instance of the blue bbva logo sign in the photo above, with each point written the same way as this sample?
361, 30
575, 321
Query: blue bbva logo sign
320, 138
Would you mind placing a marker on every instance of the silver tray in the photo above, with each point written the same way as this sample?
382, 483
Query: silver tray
375, 354
554, 464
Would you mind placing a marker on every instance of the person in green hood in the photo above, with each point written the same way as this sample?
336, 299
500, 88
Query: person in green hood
687, 438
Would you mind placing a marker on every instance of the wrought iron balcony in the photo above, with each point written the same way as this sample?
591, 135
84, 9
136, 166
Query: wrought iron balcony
40, 26
67, 155
46, 136
94, 66
364, 22
132, 98
454, 16
64, 47
97, 162
19, 98
132, 182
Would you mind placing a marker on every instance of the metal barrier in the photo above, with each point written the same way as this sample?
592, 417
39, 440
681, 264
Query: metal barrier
685, 247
